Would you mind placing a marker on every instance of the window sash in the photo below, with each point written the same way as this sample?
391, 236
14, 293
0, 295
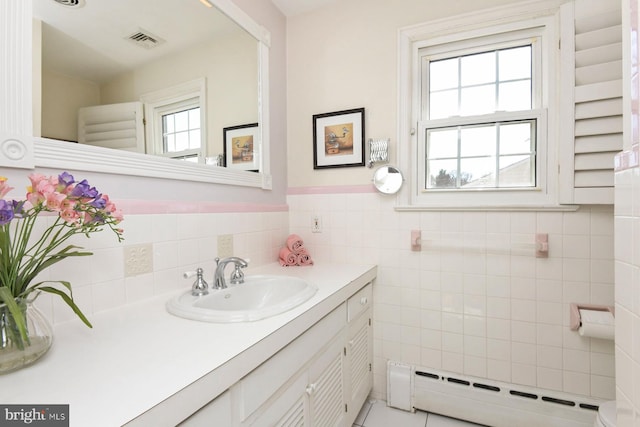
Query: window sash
537, 117
473, 46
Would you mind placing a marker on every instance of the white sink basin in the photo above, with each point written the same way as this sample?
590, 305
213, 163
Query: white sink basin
257, 298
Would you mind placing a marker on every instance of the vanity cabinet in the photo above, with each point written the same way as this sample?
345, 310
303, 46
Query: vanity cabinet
334, 383
218, 409
321, 378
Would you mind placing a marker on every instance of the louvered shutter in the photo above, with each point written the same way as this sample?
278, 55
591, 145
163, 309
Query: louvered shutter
118, 126
591, 47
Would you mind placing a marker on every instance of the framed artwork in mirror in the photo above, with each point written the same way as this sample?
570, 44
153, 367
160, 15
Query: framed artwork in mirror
338, 139
240, 145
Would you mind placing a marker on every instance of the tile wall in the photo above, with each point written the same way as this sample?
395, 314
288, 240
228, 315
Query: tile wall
475, 300
627, 288
179, 242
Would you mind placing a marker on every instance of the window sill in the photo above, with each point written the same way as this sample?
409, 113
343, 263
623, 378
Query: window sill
491, 208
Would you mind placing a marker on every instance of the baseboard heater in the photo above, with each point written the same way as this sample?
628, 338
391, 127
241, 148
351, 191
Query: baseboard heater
483, 401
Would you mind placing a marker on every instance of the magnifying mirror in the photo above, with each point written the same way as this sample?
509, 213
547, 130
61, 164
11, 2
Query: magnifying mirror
388, 179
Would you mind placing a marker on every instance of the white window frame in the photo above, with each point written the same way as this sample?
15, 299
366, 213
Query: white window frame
190, 94
539, 19
464, 47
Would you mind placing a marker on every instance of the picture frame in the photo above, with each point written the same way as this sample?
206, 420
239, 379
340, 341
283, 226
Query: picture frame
338, 139
240, 147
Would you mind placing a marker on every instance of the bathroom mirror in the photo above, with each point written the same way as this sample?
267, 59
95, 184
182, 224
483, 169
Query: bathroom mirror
55, 153
388, 179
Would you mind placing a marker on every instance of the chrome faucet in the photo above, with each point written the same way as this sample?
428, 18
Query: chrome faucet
236, 277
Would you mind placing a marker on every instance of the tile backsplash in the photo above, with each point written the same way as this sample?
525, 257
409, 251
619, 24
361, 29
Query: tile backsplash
475, 300
157, 250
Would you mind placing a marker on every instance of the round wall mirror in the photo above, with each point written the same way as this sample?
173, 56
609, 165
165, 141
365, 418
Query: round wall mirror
388, 179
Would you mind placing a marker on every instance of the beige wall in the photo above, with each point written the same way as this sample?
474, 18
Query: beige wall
345, 56
61, 97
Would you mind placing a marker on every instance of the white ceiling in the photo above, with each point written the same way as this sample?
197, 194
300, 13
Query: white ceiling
91, 41
296, 7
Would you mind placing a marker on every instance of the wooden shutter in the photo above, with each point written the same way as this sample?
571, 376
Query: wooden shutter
591, 48
118, 126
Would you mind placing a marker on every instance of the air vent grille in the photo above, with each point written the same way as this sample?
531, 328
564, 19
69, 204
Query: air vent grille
145, 39
70, 3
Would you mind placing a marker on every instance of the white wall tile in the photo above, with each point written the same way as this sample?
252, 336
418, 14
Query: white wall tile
499, 370
549, 357
524, 374
550, 379
487, 307
576, 383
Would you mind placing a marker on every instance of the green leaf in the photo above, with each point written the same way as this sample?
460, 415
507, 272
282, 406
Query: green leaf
18, 316
66, 298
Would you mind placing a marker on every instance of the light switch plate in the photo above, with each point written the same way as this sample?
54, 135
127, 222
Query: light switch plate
316, 224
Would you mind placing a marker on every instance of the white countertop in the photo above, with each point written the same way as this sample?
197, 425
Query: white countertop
143, 366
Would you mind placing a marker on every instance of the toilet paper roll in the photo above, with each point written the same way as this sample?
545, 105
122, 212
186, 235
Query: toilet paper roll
597, 324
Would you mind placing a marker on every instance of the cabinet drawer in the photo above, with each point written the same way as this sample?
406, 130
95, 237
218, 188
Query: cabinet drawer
359, 302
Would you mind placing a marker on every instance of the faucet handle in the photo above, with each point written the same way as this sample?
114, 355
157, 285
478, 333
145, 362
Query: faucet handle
237, 276
200, 286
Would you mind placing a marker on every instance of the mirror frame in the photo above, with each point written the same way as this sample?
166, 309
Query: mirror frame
20, 149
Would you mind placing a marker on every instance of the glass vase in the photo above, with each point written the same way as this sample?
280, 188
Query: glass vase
16, 350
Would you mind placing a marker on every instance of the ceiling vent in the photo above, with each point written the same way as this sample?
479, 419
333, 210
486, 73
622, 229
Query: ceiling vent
145, 39
70, 3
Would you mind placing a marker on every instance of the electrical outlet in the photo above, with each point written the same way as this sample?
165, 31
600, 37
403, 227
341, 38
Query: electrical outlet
225, 245
138, 259
316, 224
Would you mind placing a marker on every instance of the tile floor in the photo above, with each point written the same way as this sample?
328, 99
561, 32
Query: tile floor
376, 413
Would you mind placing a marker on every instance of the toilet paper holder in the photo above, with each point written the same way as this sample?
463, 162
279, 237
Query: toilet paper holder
574, 313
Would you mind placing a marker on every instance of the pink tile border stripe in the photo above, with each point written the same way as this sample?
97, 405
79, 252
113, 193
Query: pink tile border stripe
332, 189
179, 207
628, 159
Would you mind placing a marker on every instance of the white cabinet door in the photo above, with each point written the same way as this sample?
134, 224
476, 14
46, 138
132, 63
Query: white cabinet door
359, 350
359, 357
288, 409
326, 387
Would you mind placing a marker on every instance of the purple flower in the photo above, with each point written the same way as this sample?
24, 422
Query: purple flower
18, 208
66, 179
99, 202
83, 190
6, 212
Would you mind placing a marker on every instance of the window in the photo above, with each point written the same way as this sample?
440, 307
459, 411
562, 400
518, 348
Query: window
480, 96
181, 136
174, 122
473, 139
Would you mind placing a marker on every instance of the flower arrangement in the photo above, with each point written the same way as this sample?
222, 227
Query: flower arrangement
78, 209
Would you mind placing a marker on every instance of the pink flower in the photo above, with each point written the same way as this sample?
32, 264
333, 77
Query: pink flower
70, 216
34, 198
4, 188
54, 201
67, 204
41, 186
117, 215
